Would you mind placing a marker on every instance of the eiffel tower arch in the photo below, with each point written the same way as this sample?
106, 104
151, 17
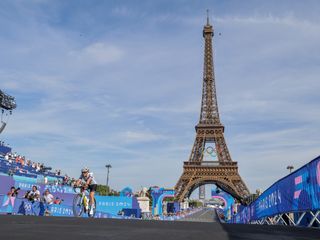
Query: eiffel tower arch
210, 160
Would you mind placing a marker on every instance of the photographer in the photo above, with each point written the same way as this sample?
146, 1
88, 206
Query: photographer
13, 192
11, 196
33, 195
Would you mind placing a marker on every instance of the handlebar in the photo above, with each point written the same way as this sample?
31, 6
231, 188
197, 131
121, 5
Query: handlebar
82, 187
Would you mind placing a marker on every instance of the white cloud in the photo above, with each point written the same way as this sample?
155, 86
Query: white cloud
140, 136
97, 53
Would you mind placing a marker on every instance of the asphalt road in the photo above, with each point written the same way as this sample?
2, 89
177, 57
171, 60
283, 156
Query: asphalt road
205, 215
63, 228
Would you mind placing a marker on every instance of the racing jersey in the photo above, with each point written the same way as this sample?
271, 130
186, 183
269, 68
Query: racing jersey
90, 175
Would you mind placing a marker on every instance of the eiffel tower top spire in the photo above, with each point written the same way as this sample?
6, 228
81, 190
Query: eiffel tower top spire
209, 107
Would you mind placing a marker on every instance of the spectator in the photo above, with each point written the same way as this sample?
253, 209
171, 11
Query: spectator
57, 201
45, 180
33, 195
11, 172
38, 167
48, 197
21, 165
48, 200
13, 192
11, 196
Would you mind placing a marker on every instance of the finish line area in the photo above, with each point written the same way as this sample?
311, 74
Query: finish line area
195, 227
42, 203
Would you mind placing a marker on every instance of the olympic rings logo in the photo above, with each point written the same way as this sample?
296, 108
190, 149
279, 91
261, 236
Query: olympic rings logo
209, 150
27, 207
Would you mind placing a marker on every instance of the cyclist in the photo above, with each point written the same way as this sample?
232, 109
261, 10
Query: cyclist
89, 183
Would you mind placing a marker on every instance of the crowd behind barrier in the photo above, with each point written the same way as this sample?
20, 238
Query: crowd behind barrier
14, 164
296, 193
18, 165
59, 204
19, 196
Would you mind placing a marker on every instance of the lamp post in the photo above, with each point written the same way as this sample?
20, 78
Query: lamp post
290, 167
108, 166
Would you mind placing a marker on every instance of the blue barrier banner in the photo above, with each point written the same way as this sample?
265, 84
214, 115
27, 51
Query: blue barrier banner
25, 179
60, 210
107, 206
113, 205
296, 192
7, 204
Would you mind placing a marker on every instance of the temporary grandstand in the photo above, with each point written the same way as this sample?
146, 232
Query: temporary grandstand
11, 167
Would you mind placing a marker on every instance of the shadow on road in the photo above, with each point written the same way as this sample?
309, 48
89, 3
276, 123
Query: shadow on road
266, 232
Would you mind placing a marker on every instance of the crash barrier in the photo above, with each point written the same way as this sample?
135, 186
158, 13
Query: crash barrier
106, 206
292, 200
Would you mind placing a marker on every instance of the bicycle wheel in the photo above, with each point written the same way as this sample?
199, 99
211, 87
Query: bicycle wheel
77, 205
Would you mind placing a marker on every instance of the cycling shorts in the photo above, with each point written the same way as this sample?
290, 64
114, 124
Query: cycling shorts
92, 187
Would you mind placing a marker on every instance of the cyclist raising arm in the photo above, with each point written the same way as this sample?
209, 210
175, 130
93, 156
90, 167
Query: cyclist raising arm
90, 184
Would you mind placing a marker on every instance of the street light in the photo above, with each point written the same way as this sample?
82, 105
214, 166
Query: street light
108, 166
290, 167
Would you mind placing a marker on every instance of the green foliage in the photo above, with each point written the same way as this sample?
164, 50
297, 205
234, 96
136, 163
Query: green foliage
169, 199
102, 190
195, 203
150, 197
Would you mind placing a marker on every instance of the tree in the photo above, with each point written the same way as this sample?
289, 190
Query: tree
102, 190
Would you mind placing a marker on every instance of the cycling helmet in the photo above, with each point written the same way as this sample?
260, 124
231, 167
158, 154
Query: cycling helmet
85, 169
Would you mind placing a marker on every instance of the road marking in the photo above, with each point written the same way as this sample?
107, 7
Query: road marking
204, 213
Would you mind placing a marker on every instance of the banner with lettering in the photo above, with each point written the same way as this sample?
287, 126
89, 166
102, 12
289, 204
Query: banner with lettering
297, 192
107, 206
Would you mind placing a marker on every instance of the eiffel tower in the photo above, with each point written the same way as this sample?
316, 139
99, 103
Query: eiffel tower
210, 160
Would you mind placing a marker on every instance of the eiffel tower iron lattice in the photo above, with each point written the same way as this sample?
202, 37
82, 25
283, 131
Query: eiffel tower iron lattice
210, 160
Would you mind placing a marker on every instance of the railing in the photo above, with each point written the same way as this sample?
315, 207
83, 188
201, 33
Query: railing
293, 200
301, 219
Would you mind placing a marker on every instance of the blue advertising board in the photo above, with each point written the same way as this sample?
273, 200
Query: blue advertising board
113, 205
297, 192
107, 206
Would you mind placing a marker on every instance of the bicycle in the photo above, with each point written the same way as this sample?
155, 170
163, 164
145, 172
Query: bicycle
81, 203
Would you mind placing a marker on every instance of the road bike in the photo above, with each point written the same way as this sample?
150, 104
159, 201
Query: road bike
81, 203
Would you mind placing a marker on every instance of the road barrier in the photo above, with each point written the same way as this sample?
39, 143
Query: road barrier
292, 200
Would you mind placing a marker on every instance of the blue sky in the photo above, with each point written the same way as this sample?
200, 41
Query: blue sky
120, 82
